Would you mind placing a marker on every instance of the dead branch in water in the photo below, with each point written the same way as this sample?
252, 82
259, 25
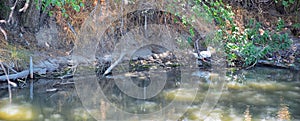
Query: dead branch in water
114, 64
22, 74
9, 83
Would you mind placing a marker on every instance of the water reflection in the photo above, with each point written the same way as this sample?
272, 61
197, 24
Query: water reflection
104, 106
249, 95
248, 116
283, 113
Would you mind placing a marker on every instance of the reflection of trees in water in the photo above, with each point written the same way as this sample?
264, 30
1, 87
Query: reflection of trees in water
149, 63
103, 108
247, 115
123, 101
283, 113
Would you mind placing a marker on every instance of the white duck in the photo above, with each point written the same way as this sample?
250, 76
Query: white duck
205, 54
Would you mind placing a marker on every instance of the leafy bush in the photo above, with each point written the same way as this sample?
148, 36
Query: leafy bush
61, 4
244, 46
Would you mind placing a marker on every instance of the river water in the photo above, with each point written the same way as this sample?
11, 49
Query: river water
259, 94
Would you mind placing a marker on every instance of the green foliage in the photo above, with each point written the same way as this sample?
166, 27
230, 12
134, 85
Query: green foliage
285, 3
296, 25
61, 4
288, 6
280, 24
251, 44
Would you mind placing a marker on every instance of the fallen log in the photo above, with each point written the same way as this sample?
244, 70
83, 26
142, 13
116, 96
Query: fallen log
22, 74
271, 63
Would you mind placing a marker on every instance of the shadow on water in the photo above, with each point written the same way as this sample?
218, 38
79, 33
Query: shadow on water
257, 94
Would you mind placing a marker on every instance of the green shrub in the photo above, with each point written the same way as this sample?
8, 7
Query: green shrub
245, 47
74, 4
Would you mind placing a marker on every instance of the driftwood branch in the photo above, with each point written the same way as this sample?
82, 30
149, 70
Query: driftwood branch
41, 68
22, 74
114, 64
15, 76
271, 63
10, 68
10, 18
9, 83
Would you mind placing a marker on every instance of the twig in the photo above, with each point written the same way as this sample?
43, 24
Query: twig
66, 76
197, 47
72, 28
52, 90
93, 11
10, 18
10, 68
252, 65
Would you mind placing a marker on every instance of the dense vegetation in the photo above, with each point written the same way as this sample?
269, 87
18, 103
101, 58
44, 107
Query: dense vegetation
245, 45
247, 42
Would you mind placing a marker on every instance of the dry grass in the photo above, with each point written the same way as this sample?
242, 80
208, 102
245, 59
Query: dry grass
3, 45
14, 56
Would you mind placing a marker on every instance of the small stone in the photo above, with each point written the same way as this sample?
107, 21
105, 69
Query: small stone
155, 56
143, 62
150, 58
168, 63
165, 54
56, 117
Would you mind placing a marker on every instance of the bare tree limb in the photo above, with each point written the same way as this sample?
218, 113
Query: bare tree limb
10, 68
4, 33
9, 83
21, 74
10, 18
2, 21
7, 77
114, 64
25, 6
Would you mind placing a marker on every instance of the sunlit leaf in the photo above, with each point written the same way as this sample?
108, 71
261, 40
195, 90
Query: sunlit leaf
76, 8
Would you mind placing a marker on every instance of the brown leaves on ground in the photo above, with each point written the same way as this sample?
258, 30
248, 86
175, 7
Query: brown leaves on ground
71, 25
